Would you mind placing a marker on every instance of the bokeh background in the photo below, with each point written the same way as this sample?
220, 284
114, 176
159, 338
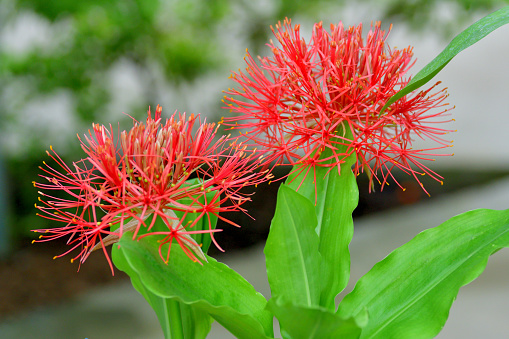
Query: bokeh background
65, 64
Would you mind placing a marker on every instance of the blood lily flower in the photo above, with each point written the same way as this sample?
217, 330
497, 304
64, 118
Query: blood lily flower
143, 177
314, 97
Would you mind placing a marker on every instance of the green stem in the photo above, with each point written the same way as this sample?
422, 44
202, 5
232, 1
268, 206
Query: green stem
335, 196
174, 319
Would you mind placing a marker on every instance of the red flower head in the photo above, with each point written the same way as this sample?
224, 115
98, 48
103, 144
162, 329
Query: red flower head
311, 97
128, 183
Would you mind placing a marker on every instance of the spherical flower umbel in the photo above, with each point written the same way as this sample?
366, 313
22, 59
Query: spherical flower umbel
316, 96
128, 182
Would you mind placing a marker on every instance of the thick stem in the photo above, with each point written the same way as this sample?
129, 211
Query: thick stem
174, 319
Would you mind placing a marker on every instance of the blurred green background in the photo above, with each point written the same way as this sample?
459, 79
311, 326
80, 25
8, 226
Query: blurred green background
65, 64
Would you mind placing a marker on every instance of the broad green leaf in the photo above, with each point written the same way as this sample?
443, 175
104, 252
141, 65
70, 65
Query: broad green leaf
410, 292
336, 198
196, 323
465, 39
298, 322
211, 287
291, 251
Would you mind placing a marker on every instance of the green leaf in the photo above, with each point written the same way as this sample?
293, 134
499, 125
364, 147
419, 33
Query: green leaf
465, 39
410, 292
291, 251
308, 323
336, 198
196, 323
211, 287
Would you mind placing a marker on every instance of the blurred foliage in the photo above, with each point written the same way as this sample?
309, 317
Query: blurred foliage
104, 32
424, 14
177, 41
